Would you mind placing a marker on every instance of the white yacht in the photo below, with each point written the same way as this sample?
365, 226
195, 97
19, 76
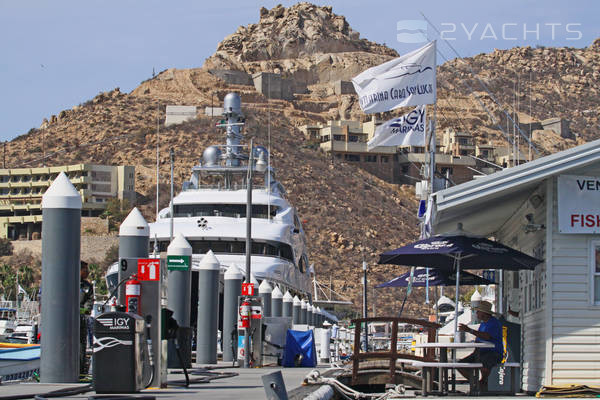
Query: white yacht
211, 212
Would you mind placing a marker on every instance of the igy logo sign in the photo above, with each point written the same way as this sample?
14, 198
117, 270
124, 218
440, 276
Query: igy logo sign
411, 31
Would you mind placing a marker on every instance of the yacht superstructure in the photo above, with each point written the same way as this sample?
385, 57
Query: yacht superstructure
211, 212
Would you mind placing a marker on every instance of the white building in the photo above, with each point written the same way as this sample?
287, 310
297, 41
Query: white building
548, 208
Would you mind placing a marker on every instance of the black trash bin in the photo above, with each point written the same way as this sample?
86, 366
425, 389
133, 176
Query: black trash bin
506, 378
119, 342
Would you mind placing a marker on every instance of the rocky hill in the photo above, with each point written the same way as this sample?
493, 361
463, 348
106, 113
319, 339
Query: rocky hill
348, 214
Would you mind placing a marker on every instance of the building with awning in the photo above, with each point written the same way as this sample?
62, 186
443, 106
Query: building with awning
550, 209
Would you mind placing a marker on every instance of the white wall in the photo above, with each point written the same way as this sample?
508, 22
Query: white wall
575, 321
528, 295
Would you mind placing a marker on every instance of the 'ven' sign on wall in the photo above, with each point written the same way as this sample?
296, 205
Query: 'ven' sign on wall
578, 204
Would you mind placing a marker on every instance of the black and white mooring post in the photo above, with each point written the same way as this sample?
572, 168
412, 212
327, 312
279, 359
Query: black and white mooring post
179, 291
276, 302
208, 309
233, 289
264, 291
287, 304
303, 312
61, 244
296, 311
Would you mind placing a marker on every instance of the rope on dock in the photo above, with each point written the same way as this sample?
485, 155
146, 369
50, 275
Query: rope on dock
315, 378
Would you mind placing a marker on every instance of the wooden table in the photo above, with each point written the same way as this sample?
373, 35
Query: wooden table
443, 368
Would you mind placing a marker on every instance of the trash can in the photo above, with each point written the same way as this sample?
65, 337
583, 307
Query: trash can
119, 342
506, 378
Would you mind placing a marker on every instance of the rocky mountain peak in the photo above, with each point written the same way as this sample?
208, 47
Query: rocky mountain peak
299, 31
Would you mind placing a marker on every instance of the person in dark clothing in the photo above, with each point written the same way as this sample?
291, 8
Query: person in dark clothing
490, 330
86, 302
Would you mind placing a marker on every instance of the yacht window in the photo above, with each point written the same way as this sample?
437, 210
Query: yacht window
238, 247
220, 247
235, 247
200, 246
286, 252
258, 248
223, 210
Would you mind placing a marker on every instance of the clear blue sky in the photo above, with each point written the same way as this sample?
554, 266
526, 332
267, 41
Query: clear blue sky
57, 54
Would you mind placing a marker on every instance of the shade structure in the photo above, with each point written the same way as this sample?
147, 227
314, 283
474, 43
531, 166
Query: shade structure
457, 251
443, 251
436, 278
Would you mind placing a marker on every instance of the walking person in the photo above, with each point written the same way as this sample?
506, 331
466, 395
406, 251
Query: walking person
86, 303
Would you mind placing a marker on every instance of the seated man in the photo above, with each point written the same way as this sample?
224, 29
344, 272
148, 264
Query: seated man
490, 330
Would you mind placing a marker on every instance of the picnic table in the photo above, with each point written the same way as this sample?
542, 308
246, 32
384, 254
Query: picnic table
443, 365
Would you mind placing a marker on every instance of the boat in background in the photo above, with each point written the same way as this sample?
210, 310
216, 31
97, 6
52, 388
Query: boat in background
210, 212
19, 361
8, 321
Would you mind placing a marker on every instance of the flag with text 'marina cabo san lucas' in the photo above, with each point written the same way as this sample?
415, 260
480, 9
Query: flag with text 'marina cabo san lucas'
409, 80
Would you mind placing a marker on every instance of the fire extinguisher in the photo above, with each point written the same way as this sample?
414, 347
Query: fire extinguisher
133, 295
245, 314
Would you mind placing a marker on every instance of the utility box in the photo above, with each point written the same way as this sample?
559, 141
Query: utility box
119, 351
275, 331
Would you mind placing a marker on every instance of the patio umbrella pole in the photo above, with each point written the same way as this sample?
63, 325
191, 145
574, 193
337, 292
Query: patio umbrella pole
402, 306
457, 265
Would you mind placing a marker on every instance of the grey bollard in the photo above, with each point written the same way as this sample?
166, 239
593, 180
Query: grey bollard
319, 322
233, 289
287, 305
264, 291
276, 302
61, 244
296, 311
180, 298
303, 313
208, 309
310, 315
134, 236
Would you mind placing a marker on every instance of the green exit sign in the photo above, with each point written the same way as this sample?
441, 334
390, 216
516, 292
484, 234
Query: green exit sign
179, 263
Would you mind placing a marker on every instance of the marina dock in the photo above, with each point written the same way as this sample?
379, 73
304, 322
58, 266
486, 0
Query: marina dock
247, 385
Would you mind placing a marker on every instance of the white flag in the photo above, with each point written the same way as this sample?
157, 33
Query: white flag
407, 130
408, 80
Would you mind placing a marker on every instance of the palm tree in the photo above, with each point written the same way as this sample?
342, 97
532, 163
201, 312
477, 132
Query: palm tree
7, 280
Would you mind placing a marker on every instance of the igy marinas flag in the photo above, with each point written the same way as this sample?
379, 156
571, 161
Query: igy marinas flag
408, 80
407, 130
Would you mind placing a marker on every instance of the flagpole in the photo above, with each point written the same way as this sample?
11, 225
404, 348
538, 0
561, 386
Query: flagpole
432, 144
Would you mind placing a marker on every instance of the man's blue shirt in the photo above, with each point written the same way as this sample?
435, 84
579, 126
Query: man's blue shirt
494, 328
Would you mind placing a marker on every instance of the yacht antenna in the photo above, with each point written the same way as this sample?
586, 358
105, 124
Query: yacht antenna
172, 157
157, 156
269, 148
